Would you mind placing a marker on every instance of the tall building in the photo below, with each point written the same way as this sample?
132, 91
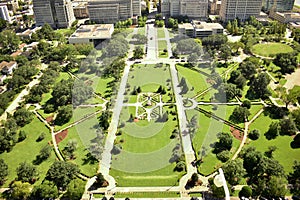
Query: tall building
57, 13
4, 14
279, 5
195, 9
241, 9
111, 11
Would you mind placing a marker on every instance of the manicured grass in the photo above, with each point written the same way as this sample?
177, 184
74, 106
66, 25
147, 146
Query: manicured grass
160, 33
271, 49
27, 150
284, 153
65, 31
82, 133
162, 45
147, 195
141, 30
148, 77
194, 80
163, 177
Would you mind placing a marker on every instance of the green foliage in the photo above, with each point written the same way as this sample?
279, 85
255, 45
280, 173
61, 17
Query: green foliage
245, 192
224, 142
7, 139
248, 69
287, 126
217, 191
9, 41
254, 134
240, 114
118, 46
273, 131
62, 92
70, 149
20, 190
275, 188
172, 23
23, 116
159, 23
234, 171
46, 190
75, 189
214, 41
286, 61
139, 39
124, 24
26, 172
62, 173
188, 46
45, 153
294, 178
3, 171
22, 136
64, 115
138, 52
223, 155
46, 32
237, 78
246, 104
259, 87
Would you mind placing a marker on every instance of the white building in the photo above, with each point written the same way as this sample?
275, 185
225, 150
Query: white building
4, 14
241, 9
92, 34
199, 29
195, 9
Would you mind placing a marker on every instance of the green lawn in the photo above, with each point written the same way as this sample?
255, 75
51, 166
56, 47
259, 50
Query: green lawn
284, 153
160, 33
82, 134
141, 30
196, 82
65, 31
27, 150
271, 49
147, 195
148, 77
162, 45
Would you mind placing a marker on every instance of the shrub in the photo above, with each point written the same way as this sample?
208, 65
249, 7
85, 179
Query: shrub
254, 134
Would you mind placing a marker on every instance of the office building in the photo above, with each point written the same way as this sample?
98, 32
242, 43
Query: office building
12, 5
80, 10
57, 13
92, 34
194, 9
278, 5
199, 29
111, 11
285, 17
215, 6
241, 9
4, 14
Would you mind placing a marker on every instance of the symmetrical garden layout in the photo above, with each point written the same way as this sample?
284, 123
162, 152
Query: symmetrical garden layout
162, 121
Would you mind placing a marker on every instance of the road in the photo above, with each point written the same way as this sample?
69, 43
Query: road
152, 43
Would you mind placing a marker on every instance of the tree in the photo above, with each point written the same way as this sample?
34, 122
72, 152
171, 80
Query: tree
229, 91
217, 191
64, 115
240, 114
237, 78
234, 171
223, 155
70, 149
9, 41
259, 87
269, 152
103, 120
246, 191
188, 46
23, 116
20, 190
45, 153
140, 39
276, 188
22, 136
225, 52
172, 23
287, 126
138, 52
75, 189
246, 104
46, 190
26, 172
81, 92
273, 131
224, 142
62, 92
248, 69
294, 178
3, 171
62, 173
100, 179
192, 59
286, 61
254, 134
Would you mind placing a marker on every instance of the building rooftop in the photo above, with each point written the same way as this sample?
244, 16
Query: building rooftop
4, 64
97, 31
205, 25
186, 26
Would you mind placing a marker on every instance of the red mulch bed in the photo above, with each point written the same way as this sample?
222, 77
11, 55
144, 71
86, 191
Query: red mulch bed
49, 119
236, 133
61, 136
